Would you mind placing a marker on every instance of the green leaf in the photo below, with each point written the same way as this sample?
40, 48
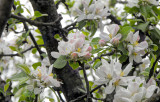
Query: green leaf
6, 87
143, 26
40, 42
19, 76
81, 24
74, 64
35, 65
124, 31
60, 62
24, 67
37, 30
13, 48
123, 58
34, 50
19, 9
93, 28
1, 90
90, 2
158, 76
155, 32
153, 47
37, 14
95, 41
145, 10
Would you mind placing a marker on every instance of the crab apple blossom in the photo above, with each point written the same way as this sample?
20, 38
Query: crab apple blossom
45, 77
76, 47
112, 36
136, 48
97, 10
112, 75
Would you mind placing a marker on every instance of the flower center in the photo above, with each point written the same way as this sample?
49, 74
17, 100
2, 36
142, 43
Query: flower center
136, 43
51, 74
39, 74
134, 53
109, 76
122, 73
110, 35
143, 65
116, 83
79, 49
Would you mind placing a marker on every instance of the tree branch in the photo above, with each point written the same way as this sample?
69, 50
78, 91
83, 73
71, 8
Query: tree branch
36, 23
18, 54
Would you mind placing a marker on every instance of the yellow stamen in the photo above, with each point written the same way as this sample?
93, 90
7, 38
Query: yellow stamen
39, 74
110, 35
51, 74
79, 49
116, 83
135, 54
143, 65
109, 76
122, 73
136, 43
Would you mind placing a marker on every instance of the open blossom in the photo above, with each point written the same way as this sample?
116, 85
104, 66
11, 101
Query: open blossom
45, 77
135, 48
144, 65
137, 91
112, 75
132, 3
94, 11
113, 37
76, 47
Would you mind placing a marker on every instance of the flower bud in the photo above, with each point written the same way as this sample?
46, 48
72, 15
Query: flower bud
89, 49
74, 56
102, 42
87, 56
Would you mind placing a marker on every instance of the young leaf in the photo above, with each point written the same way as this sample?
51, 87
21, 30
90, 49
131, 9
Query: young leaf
60, 62
6, 87
24, 67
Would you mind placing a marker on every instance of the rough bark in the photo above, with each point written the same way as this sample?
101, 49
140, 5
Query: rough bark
71, 80
5, 8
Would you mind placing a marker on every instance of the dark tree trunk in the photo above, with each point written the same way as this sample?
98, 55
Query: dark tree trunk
72, 84
5, 8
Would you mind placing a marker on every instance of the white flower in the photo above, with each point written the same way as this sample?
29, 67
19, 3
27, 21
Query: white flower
46, 77
133, 93
144, 65
112, 75
113, 37
133, 3
97, 9
75, 48
135, 48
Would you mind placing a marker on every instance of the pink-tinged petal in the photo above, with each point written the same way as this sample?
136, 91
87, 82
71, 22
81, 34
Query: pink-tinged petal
113, 29
136, 37
102, 42
141, 46
127, 69
115, 40
104, 37
130, 37
55, 54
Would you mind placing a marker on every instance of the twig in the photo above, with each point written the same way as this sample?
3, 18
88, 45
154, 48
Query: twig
114, 19
87, 82
36, 23
31, 36
72, 24
18, 54
83, 96
152, 69
60, 96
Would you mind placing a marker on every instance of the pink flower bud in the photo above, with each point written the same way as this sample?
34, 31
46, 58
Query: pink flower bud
89, 49
87, 56
115, 41
74, 56
102, 42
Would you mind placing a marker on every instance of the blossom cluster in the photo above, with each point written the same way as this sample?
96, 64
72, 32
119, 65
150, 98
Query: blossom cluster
96, 10
76, 47
127, 88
